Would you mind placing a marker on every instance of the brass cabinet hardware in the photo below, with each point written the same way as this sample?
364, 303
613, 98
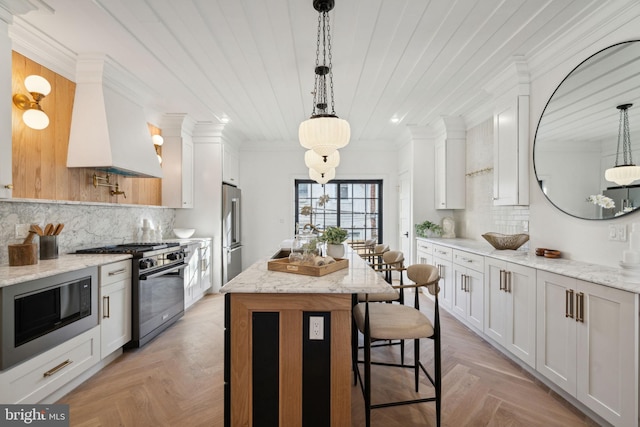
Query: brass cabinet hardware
502, 272
580, 307
568, 303
507, 287
115, 273
106, 312
9, 186
55, 369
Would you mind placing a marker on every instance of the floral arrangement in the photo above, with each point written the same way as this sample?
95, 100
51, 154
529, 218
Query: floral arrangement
602, 201
428, 227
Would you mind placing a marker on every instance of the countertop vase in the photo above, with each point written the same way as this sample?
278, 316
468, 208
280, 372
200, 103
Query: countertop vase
335, 251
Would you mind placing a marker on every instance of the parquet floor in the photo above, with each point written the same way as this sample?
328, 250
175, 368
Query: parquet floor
177, 380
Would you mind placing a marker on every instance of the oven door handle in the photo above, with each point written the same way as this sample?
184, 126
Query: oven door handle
172, 269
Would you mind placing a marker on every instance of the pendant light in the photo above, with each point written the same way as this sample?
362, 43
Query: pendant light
626, 173
319, 163
324, 177
324, 132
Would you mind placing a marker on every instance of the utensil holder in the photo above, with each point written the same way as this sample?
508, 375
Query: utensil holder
48, 247
23, 254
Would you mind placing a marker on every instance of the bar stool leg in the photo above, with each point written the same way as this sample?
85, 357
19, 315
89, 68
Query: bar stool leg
416, 362
367, 378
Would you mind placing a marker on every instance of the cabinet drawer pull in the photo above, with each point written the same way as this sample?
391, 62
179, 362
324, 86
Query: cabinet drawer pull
106, 312
462, 279
116, 272
466, 283
568, 303
507, 287
580, 307
55, 369
467, 260
502, 286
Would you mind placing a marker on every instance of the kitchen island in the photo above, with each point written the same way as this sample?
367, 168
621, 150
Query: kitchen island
288, 344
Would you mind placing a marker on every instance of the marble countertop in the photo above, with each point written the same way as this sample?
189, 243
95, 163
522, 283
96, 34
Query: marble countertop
600, 274
357, 278
44, 268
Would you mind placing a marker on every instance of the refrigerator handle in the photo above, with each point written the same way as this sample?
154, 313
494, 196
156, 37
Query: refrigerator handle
235, 214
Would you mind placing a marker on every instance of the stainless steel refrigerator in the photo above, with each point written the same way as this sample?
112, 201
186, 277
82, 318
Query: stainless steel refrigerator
231, 241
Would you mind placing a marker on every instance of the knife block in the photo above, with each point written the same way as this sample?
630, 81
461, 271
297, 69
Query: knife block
23, 254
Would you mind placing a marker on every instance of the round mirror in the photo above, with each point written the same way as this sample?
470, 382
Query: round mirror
581, 132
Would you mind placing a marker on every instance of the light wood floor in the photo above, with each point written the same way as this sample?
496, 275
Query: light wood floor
177, 380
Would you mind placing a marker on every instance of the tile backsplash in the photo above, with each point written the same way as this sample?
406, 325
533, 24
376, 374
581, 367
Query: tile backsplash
480, 215
86, 224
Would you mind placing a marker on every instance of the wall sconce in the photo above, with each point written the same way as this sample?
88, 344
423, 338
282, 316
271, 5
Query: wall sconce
33, 115
158, 140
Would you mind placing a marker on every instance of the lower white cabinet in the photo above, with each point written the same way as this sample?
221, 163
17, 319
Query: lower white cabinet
587, 344
443, 260
204, 267
191, 275
424, 252
510, 307
468, 288
37, 378
115, 306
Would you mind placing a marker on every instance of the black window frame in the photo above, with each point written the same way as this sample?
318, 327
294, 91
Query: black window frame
338, 182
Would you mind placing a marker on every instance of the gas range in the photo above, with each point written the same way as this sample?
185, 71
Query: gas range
128, 248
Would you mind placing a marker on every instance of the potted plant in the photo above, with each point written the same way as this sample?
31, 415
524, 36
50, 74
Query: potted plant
428, 229
334, 238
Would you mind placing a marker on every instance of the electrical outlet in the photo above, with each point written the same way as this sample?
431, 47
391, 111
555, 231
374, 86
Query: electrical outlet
22, 230
316, 328
613, 233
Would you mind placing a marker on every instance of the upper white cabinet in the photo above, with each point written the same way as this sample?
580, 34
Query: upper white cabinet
177, 161
510, 307
510, 89
5, 114
450, 164
587, 344
230, 165
511, 152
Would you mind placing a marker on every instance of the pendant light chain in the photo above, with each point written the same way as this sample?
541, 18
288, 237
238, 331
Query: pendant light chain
623, 132
333, 108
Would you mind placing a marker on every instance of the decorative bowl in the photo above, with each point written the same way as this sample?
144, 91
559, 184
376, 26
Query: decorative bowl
506, 241
184, 233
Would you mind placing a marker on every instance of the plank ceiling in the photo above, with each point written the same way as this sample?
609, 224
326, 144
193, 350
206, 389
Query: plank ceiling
252, 60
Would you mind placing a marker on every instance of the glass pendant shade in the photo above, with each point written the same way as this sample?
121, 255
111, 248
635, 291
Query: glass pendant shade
319, 163
622, 175
157, 139
35, 119
324, 135
322, 178
37, 84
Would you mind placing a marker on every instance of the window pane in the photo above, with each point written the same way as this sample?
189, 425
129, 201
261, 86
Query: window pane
372, 206
372, 190
359, 190
304, 191
358, 206
344, 191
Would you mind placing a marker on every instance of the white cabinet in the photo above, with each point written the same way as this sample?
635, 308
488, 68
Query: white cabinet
230, 166
115, 307
424, 252
177, 161
511, 152
450, 174
191, 275
204, 267
587, 343
510, 307
42, 375
443, 260
5, 114
468, 288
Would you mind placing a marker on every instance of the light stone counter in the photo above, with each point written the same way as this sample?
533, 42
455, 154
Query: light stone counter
602, 275
357, 278
62, 264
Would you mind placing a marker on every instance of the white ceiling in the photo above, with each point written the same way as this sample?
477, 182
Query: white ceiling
252, 60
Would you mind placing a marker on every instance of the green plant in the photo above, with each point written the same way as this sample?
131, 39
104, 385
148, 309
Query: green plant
422, 228
334, 235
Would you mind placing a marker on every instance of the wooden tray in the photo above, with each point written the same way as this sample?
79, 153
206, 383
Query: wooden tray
308, 270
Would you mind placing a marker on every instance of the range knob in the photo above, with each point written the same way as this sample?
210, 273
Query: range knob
146, 263
175, 256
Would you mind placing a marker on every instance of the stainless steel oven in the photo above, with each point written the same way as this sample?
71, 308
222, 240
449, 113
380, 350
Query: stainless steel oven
157, 286
40, 314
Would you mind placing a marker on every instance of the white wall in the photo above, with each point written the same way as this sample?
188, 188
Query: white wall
579, 239
268, 192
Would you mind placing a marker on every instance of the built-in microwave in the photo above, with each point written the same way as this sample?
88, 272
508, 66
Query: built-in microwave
40, 314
